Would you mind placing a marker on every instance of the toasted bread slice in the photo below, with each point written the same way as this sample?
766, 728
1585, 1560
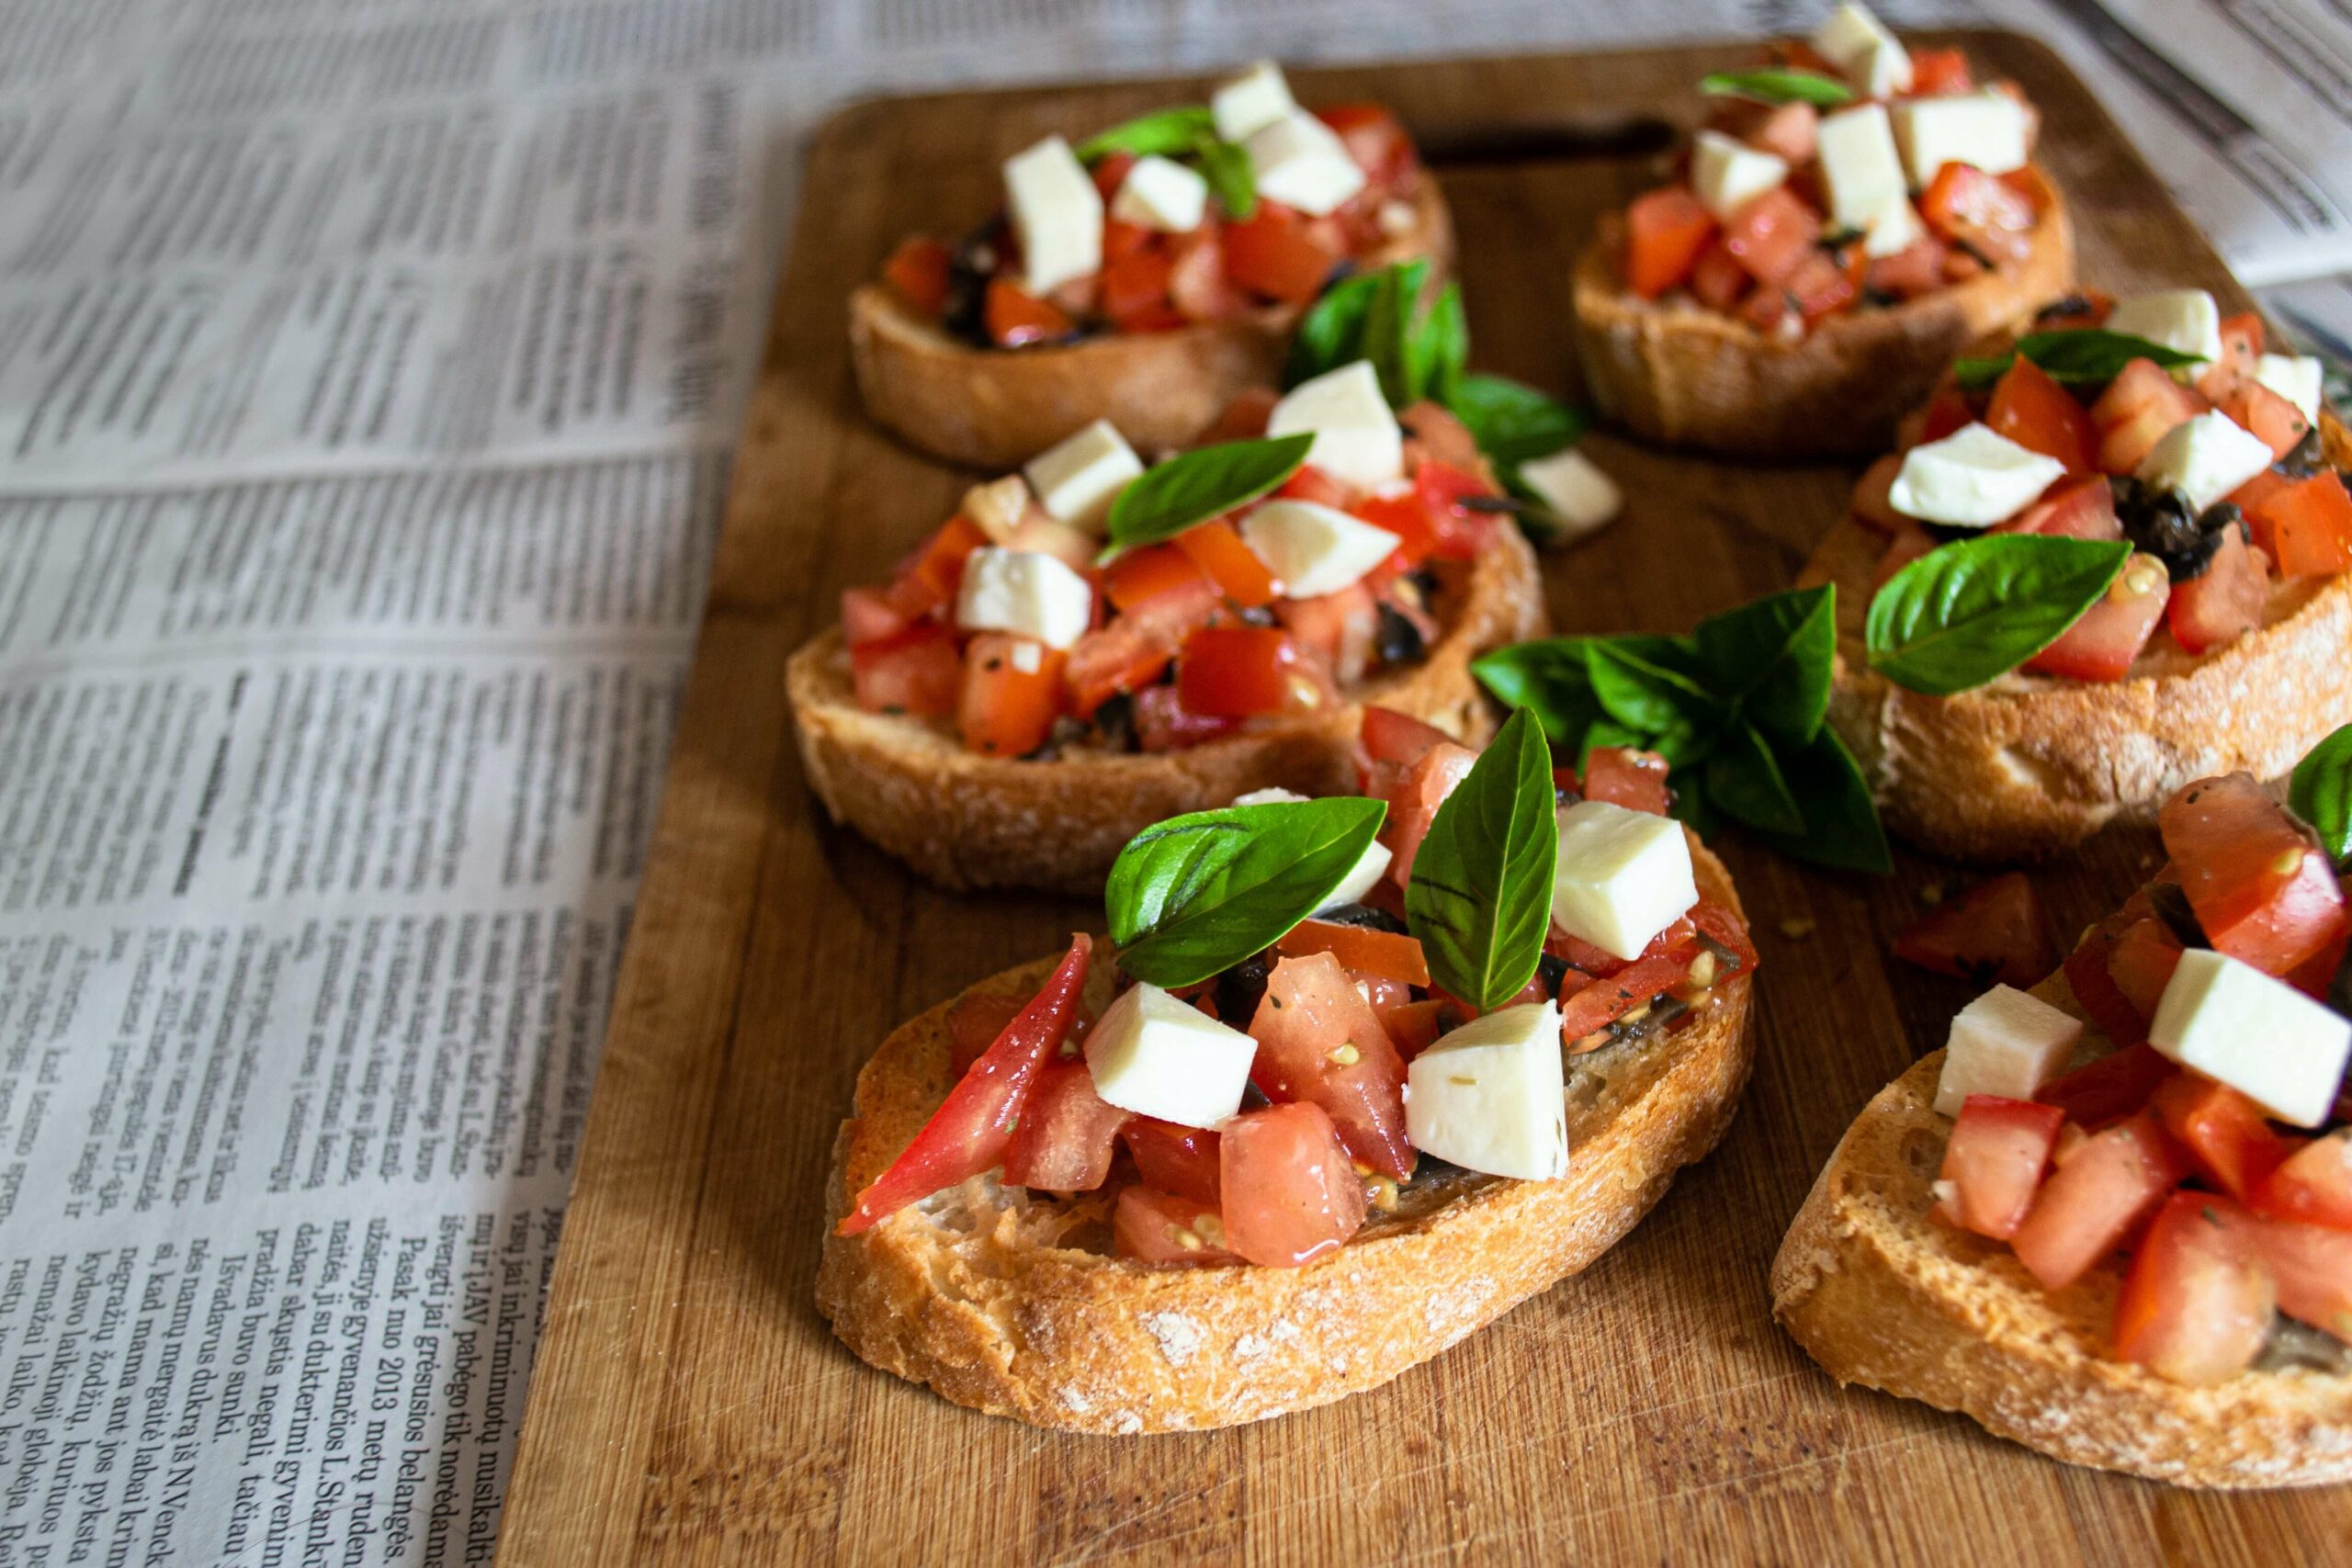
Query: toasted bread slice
2030, 766
1880, 1293
1013, 1305
968, 820
996, 408
1678, 372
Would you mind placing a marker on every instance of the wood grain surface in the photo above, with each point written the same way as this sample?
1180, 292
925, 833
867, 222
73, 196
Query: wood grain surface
688, 1403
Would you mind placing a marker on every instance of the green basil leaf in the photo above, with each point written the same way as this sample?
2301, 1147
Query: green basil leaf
1778, 86
1332, 333
2084, 357
1512, 422
1388, 331
1969, 612
1441, 347
1745, 781
1650, 683
1231, 178
1196, 894
1554, 678
1172, 496
1609, 733
2321, 793
1169, 133
1841, 826
1480, 899
1773, 659
1690, 808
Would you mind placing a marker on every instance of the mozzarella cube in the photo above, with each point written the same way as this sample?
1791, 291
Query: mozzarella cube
1056, 212
2182, 319
1860, 164
2281, 1049
1076, 480
997, 507
1983, 128
2295, 377
1893, 229
1881, 70
1250, 102
1026, 592
1301, 161
1356, 438
1160, 193
1370, 867
1313, 549
1622, 876
1851, 37
1972, 478
2007, 1043
2204, 459
1158, 1056
1726, 174
1572, 487
1492, 1096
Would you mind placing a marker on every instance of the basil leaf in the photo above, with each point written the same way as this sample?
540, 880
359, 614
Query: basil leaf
1441, 347
2080, 358
1196, 894
1480, 899
1169, 133
1773, 659
2321, 793
1512, 422
1388, 331
1841, 826
1172, 496
1778, 86
1647, 682
1745, 780
1332, 333
1231, 178
1966, 612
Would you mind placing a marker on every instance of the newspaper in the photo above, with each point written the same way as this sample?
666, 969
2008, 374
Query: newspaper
366, 380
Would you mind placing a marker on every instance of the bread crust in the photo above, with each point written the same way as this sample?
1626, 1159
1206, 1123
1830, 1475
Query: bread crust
1680, 373
967, 821
968, 1294
1881, 1294
996, 409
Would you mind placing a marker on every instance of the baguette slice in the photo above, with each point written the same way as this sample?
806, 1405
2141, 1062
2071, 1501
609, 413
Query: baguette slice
1013, 1305
965, 820
1881, 1294
1675, 371
2030, 766
996, 409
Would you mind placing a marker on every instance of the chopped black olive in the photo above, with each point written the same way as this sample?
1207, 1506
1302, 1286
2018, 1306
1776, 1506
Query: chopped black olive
1238, 991
1363, 915
968, 268
2303, 459
1115, 720
2340, 991
1552, 969
2172, 907
2160, 523
2066, 309
1257, 616
1398, 640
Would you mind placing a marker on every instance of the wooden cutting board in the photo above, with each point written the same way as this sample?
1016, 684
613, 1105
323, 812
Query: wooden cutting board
688, 1402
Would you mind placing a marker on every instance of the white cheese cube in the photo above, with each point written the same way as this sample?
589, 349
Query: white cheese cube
1026, 592
1492, 1096
1983, 128
1851, 36
1056, 212
1301, 161
1370, 867
2261, 1036
997, 506
2295, 377
1622, 876
1158, 1056
1160, 193
1356, 438
1881, 70
1860, 164
2183, 319
1250, 102
1972, 478
1726, 174
2007, 1043
1893, 228
1313, 549
2204, 459
1076, 480
1575, 490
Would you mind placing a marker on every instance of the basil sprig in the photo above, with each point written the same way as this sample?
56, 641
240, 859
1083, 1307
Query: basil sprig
1480, 898
2320, 793
1196, 894
1188, 130
1778, 86
1971, 611
2089, 357
1171, 497
1738, 707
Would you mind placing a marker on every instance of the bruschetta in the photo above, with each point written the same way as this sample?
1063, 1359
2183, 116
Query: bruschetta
1853, 214
2089, 577
1188, 1185
1146, 277
2111, 1220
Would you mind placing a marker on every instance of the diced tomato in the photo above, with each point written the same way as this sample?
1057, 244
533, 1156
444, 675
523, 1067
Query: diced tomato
1936, 73
1134, 292
1109, 172
1163, 1227
1216, 548
1418, 791
2095, 1198
867, 615
1012, 694
1917, 268
2103, 644
1386, 955
2223, 1132
1623, 776
930, 575
1066, 1132
1014, 316
1728, 930
1318, 1040
1602, 1003
1872, 502
1311, 483
1994, 1163
2312, 1266
917, 269
2241, 357
1393, 737
1131, 651
1164, 724
1665, 231
1968, 206
1791, 131
1239, 671
1771, 233
2262, 890
1139, 575
1717, 280
1947, 412
918, 673
1582, 955
1291, 1193
1339, 631
2081, 507
1373, 139
1183, 1160
2140, 408
2194, 1308
1197, 285
1275, 255
969, 1131
2307, 525
1414, 1027
2043, 416
2313, 1184
2278, 422
2225, 601
2110, 1089
2141, 965
1996, 931
1826, 281
975, 1022
1455, 532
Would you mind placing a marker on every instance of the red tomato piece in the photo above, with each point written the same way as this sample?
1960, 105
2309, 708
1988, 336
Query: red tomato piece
1917, 268
1311, 483
1717, 280
1200, 290
1418, 791
1825, 282
1996, 931
2110, 1089
969, 1131
1873, 502
2225, 601
2103, 644
2313, 1184
2194, 1308
1139, 575
1373, 139
2043, 416
1275, 255
1131, 653
2242, 344
1014, 316
1012, 694
867, 615
2141, 964
1165, 1228
2307, 525
1771, 234
2082, 507
1611, 997
1390, 955
1339, 631
2095, 1198
1320, 1040
1665, 231
1292, 1194
1968, 206
1216, 548
1994, 1163
1109, 172
1182, 1160
2262, 890
1393, 737
917, 269
929, 577
1455, 531
2223, 1132
1936, 73
2312, 1266
1134, 292
975, 1022
1066, 1132
1415, 1027
1623, 776
2278, 422
918, 673
1239, 671
2140, 408
1164, 724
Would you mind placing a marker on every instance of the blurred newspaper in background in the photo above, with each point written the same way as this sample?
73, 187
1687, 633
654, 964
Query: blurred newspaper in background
367, 371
